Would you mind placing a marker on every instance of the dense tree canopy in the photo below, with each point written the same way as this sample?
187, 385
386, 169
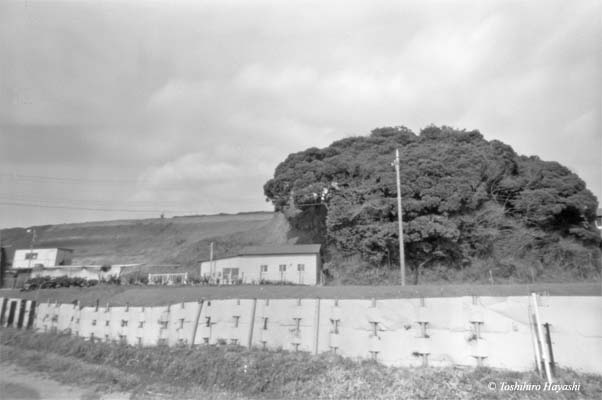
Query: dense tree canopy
460, 192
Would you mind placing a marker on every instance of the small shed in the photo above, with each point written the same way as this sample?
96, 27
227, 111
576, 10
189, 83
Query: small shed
44, 258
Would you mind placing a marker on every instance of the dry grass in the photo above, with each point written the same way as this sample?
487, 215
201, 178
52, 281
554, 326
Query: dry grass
180, 240
270, 374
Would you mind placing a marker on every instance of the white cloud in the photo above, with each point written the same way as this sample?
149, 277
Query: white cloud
208, 97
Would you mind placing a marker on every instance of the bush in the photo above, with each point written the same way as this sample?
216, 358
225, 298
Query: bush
46, 282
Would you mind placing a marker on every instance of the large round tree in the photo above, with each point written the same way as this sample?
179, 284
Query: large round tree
464, 198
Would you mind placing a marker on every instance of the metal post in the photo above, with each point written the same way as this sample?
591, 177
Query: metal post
317, 326
399, 218
544, 350
211, 272
196, 322
549, 342
252, 325
33, 238
533, 330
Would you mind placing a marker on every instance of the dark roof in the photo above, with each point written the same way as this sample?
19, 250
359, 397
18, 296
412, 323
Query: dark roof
273, 249
49, 248
281, 249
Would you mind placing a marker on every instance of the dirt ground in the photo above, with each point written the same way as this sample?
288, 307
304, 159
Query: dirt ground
19, 383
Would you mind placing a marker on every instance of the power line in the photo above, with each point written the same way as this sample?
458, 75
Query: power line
45, 199
19, 204
50, 180
68, 179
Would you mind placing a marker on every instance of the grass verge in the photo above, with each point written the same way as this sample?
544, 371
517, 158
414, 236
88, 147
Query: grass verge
271, 374
159, 296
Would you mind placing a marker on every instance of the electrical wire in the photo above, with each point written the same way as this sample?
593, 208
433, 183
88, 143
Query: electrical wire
37, 198
66, 179
20, 204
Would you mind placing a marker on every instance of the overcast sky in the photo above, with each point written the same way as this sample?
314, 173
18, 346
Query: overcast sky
188, 107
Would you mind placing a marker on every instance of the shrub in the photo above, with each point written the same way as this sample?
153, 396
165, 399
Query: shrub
46, 282
282, 374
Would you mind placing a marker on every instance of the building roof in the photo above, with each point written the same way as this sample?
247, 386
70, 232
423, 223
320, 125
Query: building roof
281, 249
273, 250
46, 248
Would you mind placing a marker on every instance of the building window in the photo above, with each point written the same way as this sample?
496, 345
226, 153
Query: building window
300, 267
31, 256
264, 268
282, 267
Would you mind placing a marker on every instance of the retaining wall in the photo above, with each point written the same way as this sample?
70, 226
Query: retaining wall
469, 331
17, 313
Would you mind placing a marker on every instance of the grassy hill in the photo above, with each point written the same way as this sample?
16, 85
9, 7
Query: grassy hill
178, 240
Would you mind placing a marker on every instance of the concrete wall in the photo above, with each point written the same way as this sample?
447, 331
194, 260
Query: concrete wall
17, 313
250, 268
225, 321
467, 331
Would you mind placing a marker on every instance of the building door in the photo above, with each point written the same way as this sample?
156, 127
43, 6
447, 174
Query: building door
301, 272
234, 275
226, 275
282, 269
263, 269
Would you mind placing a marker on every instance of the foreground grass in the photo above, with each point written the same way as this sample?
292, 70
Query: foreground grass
159, 296
265, 374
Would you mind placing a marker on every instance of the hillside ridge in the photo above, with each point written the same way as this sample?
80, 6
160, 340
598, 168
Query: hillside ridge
181, 240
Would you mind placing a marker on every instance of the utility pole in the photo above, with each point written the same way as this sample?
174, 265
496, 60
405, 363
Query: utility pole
211, 269
33, 238
399, 215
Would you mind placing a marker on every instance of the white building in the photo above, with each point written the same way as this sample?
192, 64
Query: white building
45, 258
299, 264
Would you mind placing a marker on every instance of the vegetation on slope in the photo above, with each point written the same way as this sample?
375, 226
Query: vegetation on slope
178, 240
472, 207
267, 374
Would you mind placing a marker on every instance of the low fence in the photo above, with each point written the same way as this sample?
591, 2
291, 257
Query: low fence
469, 331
